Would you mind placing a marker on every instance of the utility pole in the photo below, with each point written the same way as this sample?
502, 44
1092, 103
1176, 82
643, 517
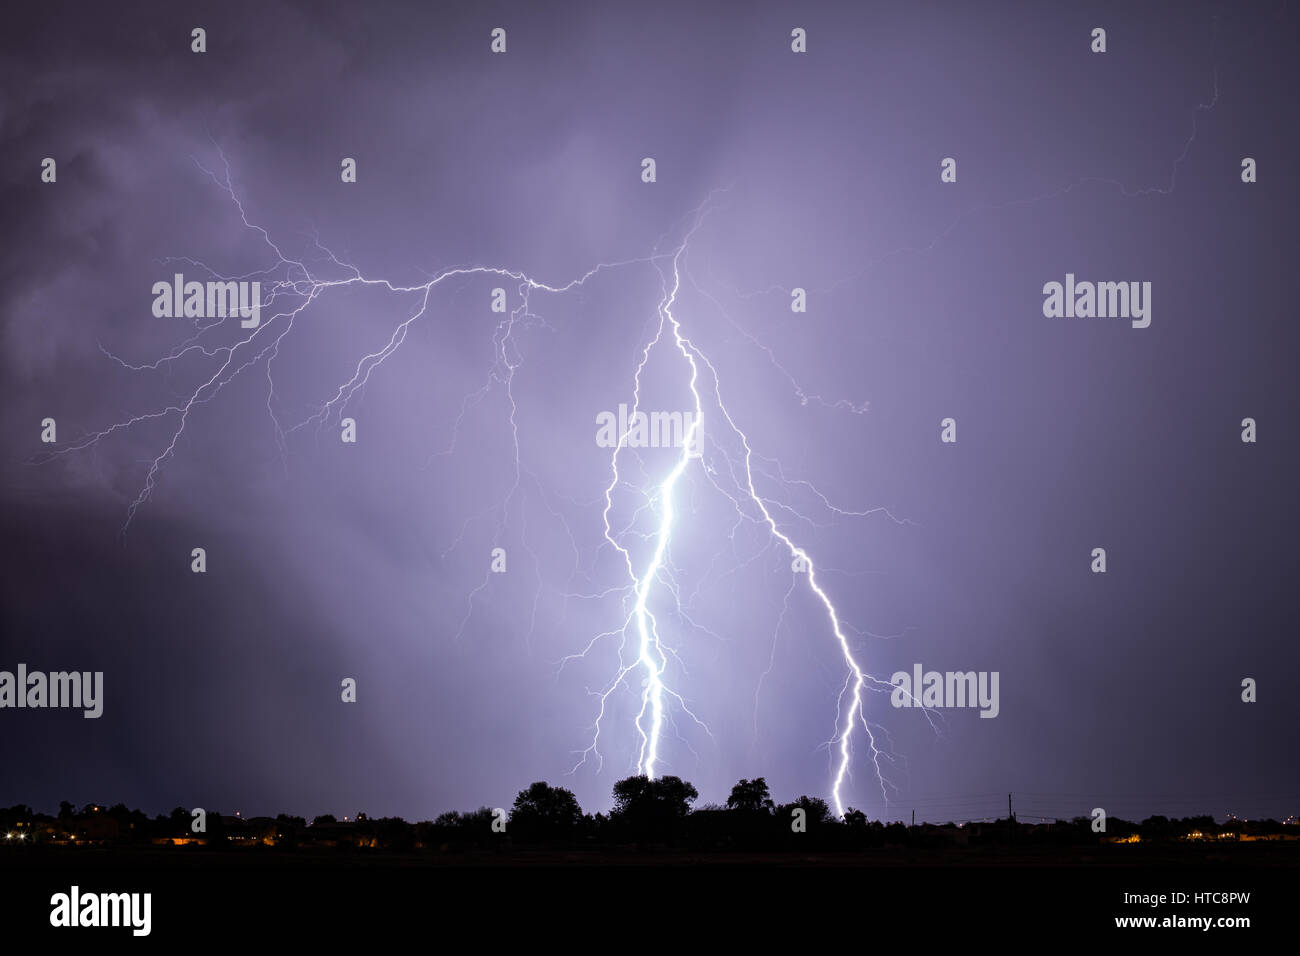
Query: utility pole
1011, 821
913, 818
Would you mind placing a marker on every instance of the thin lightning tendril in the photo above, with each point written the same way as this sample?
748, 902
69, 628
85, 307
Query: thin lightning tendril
292, 285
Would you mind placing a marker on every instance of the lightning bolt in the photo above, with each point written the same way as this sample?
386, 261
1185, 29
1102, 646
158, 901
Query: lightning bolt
716, 452
650, 654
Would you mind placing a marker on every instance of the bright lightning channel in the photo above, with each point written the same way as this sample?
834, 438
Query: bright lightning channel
292, 285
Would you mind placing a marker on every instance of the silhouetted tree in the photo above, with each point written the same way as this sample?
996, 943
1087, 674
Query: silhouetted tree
473, 827
133, 824
543, 812
653, 809
394, 833
815, 810
289, 830
751, 795
217, 834
1158, 827
470, 819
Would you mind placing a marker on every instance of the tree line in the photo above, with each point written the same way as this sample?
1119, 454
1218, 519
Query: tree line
655, 812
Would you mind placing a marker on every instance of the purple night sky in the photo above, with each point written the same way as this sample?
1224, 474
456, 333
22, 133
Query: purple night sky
818, 171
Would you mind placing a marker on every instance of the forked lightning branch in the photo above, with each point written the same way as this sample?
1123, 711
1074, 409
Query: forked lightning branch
706, 438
